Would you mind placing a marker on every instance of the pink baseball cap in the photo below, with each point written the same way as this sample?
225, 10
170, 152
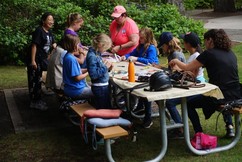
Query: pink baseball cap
117, 11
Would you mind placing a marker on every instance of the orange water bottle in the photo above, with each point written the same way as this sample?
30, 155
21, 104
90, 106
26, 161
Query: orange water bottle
131, 71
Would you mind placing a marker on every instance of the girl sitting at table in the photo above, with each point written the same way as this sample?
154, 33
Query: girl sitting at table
222, 69
73, 76
98, 70
192, 45
146, 53
171, 48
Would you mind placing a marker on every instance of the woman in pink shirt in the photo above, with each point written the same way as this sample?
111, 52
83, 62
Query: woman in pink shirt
123, 31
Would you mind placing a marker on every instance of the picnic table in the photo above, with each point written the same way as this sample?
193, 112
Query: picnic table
119, 76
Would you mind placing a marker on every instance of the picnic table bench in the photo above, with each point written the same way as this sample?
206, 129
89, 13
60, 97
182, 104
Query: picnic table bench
107, 133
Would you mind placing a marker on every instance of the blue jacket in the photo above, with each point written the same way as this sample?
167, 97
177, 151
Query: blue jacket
149, 56
98, 72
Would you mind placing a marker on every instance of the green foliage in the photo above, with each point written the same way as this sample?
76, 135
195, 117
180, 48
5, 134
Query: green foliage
166, 17
193, 4
19, 18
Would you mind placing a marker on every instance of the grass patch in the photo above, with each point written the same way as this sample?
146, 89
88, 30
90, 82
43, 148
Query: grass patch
13, 77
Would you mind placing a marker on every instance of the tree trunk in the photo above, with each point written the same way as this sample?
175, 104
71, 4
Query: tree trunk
179, 4
224, 6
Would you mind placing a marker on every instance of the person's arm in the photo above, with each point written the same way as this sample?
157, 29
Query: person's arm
151, 56
192, 66
133, 40
33, 56
96, 69
80, 77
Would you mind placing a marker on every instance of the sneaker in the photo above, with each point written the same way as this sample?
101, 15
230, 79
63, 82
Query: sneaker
121, 101
229, 131
40, 105
147, 124
139, 111
175, 134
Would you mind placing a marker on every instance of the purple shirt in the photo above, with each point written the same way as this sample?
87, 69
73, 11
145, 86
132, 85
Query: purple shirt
71, 32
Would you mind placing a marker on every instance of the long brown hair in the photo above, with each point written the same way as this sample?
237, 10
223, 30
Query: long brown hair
70, 42
220, 39
149, 38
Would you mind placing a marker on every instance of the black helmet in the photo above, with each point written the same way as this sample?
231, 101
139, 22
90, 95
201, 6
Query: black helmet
159, 81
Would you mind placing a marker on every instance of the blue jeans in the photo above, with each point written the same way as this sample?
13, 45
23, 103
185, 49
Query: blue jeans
102, 97
209, 105
86, 93
171, 106
144, 103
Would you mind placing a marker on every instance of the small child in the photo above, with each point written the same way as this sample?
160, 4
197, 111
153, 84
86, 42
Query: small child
146, 53
73, 76
171, 48
98, 70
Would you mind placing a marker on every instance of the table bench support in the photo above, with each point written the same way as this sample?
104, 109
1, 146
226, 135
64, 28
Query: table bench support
208, 151
163, 129
108, 150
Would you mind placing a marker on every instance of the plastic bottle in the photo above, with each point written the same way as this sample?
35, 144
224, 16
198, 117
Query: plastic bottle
131, 71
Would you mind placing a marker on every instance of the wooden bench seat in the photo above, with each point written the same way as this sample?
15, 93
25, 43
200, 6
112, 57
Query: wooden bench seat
111, 132
107, 133
80, 108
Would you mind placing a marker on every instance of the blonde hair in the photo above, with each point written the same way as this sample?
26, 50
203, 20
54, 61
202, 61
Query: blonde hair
103, 40
70, 42
73, 18
174, 45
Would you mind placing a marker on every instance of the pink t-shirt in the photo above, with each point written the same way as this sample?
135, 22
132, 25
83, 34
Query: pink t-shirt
122, 36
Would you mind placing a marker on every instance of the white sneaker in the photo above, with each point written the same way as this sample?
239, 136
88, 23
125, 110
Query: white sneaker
40, 105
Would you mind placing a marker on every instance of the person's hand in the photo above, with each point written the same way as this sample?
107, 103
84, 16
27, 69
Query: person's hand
157, 66
107, 63
133, 58
115, 49
34, 65
172, 63
123, 58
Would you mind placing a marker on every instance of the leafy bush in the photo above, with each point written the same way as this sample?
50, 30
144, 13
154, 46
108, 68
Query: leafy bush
194, 4
19, 18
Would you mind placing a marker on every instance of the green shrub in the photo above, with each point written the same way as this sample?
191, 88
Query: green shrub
195, 4
19, 18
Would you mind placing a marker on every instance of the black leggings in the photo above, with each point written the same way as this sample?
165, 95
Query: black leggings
34, 82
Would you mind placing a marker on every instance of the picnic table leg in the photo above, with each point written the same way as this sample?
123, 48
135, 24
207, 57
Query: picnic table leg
164, 141
108, 150
208, 151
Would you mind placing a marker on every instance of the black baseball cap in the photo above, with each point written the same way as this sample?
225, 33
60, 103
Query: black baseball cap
191, 38
165, 37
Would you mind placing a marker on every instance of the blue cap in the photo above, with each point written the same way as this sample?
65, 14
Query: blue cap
165, 37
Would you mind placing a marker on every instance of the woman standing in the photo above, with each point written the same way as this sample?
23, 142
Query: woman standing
123, 31
222, 69
42, 42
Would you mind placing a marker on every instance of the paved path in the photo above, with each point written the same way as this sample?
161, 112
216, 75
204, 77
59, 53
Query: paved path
230, 22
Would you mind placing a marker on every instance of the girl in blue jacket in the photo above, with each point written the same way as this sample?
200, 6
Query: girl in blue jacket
146, 52
98, 70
